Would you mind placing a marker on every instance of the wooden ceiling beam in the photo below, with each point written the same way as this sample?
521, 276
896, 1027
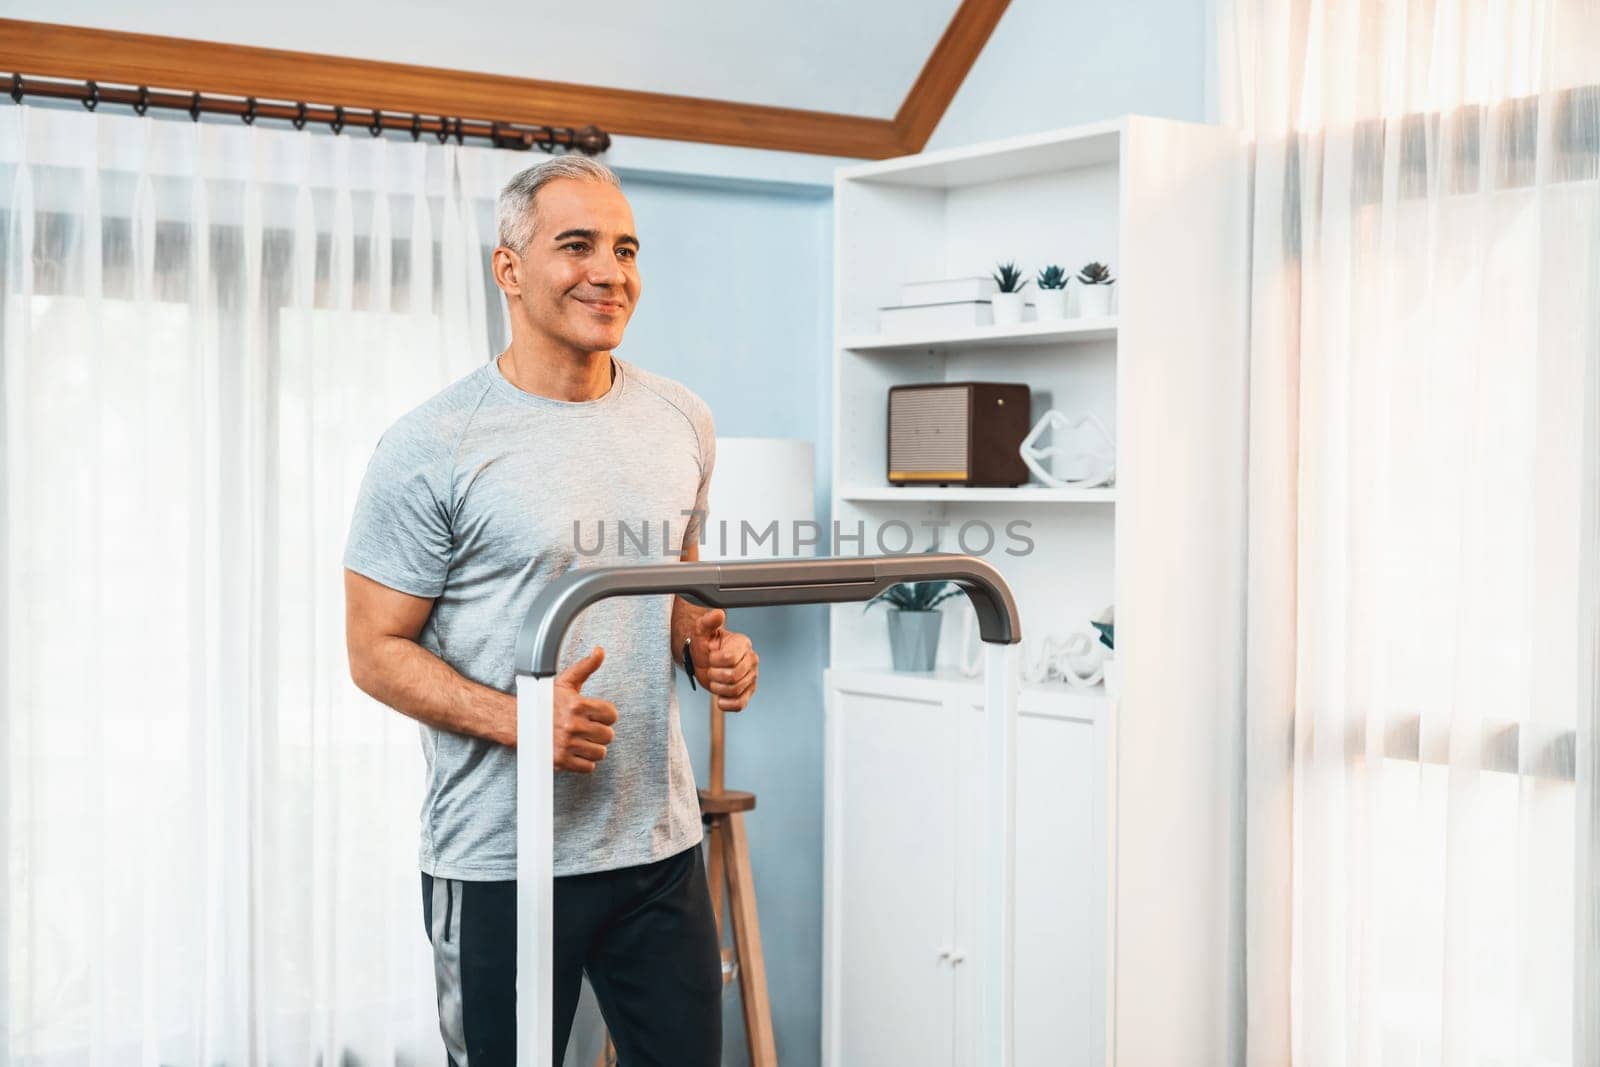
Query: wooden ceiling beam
947, 67
47, 50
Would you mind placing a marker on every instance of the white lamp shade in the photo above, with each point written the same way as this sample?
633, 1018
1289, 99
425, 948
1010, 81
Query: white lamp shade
758, 482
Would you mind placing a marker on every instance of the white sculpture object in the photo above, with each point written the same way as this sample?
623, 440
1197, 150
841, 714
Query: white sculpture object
1079, 660
1089, 468
1082, 662
1082, 659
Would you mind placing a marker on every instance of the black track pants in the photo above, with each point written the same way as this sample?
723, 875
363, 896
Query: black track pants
644, 935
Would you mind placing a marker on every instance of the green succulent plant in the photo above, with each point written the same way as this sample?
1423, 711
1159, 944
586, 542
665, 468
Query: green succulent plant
1108, 633
1009, 278
1106, 623
1096, 274
1052, 277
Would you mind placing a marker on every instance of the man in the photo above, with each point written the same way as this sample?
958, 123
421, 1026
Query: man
471, 504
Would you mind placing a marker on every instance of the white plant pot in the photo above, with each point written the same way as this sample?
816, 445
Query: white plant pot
1007, 308
1050, 304
1094, 301
914, 639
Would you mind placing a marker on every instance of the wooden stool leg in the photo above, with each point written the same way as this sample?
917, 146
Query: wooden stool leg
747, 938
714, 876
717, 882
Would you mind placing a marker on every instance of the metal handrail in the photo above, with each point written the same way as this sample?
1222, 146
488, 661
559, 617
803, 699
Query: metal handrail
761, 583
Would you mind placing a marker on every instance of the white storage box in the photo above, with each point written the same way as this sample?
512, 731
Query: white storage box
920, 318
948, 290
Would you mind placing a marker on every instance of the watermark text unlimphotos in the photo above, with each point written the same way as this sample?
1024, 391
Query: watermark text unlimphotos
896, 537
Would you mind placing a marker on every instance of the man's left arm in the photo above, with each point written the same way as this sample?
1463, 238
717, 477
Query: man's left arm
724, 661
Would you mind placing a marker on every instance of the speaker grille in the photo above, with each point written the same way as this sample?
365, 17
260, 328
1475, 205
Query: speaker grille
928, 432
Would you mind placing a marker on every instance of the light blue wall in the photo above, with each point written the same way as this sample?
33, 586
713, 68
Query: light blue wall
737, 304
1054, 63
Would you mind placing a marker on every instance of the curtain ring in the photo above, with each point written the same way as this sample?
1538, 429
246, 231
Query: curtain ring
444, 130
459, 137
194, 107
547, 142
516, 138
338, 119
377, 123
249, 114
299, 119
142, 103
91, 99
416, 127
16, 88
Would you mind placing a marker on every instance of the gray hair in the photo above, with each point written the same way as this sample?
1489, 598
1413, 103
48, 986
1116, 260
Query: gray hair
514, 210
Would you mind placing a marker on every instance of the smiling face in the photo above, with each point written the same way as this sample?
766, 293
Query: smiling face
576, 283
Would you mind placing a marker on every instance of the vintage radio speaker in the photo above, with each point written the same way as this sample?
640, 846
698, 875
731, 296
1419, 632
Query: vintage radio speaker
957, 433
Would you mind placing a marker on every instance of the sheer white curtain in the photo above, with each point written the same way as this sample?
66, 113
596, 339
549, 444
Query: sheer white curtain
1424, 551
209, 834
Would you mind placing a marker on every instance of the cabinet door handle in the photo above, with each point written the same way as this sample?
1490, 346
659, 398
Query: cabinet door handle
944, 953
956, 957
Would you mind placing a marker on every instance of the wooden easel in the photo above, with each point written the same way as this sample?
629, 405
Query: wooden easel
728, 870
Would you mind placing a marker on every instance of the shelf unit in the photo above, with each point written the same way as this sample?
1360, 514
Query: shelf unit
1039, 200
1164, 203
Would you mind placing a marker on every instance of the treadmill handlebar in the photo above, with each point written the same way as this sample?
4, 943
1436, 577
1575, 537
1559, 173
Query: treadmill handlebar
761, 583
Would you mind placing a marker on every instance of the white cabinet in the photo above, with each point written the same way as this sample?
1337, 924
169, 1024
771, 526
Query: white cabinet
897, 842
1060, 902
902, 926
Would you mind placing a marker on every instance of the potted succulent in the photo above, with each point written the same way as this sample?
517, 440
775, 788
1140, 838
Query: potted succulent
914, 621
1094, 289
1051, 300
1007, 303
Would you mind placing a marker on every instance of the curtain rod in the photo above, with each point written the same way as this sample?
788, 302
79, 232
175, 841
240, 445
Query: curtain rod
590, 140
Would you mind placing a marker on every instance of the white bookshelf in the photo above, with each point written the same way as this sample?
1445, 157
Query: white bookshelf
1164, 203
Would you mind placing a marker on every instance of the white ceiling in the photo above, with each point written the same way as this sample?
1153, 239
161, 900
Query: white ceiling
857, 57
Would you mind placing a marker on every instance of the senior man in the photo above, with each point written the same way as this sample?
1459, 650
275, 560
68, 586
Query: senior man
470, 505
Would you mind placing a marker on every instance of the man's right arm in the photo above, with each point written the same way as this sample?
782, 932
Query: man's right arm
387, 663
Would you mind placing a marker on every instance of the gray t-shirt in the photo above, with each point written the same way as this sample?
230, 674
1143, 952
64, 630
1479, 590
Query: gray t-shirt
471, 499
